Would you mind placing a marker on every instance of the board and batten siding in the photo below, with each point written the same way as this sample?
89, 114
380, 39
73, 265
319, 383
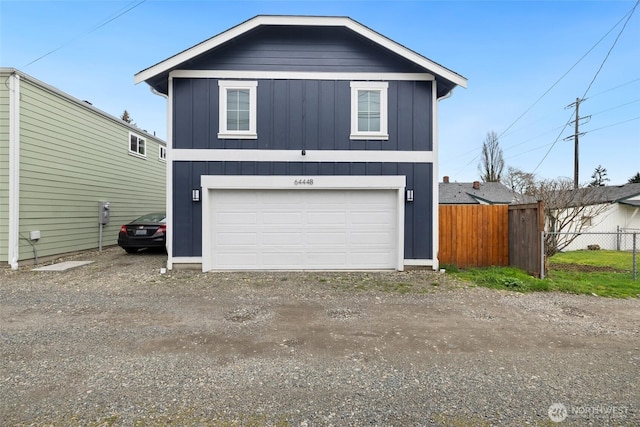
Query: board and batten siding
4, 165
72, 157
187, 224
302, 114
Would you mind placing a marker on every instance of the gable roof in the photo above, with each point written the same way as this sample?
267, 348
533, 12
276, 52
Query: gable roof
614, 194
464, 193
173, 62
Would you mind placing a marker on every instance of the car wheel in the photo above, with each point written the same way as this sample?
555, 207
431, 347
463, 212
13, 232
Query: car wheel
131, 250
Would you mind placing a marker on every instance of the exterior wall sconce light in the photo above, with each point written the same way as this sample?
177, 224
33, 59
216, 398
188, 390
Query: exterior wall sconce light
409, 195
195, 195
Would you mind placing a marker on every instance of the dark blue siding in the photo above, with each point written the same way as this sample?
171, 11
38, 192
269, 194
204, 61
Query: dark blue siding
319, 49
302, 114
188, 215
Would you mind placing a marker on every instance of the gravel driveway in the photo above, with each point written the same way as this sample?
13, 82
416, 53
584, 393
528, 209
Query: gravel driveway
117, 343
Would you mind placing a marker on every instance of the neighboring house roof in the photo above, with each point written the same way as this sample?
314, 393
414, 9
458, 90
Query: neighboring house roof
81, 103
157, 75
627, 194
614, 194
473, 193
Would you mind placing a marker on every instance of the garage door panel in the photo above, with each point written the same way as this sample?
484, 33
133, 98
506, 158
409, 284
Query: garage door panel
372, 238
323, 259
326, 218
234, 239
303, 229
282, 238
369, 218
236, 218
282, 260
282, 217
332, 239
369, 259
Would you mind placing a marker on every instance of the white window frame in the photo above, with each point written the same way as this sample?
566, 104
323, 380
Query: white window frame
162, 153
224, 86
137, 152
383, 133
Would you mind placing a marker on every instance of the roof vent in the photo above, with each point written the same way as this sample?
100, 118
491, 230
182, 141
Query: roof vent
476, 185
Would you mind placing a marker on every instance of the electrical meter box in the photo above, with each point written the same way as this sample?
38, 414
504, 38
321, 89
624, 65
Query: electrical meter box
103, 213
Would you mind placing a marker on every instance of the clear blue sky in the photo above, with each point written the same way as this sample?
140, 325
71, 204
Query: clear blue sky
511, 52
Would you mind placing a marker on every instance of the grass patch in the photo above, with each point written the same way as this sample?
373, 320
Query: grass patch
508, 278
614, 260
602, 273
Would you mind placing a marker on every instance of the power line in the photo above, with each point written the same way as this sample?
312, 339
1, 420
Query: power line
611, 48
111, 18
614, 124
628, 16
569, 70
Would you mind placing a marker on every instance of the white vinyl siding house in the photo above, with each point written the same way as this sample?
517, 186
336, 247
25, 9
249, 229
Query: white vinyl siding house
66, 156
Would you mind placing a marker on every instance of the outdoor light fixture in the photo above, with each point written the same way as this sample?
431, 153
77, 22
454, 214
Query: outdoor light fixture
409, 195
195, 195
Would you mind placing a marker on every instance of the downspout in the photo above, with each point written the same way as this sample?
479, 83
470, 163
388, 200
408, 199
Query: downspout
14, 171
436, 191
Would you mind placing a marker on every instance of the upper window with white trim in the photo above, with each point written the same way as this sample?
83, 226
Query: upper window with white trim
237, 109
369, 110
162, 153
137, 145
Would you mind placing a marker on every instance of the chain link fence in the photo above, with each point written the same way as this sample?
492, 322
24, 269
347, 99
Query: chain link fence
615, 252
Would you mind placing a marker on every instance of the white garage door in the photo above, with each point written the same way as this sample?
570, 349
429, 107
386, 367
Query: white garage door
303, 229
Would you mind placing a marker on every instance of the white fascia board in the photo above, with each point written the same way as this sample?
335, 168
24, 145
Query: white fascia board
299, 75
331, 156
311, 182
249, 25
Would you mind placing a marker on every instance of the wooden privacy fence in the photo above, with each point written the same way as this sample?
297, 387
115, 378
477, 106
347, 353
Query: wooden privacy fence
486, 235
474, 235
526, 223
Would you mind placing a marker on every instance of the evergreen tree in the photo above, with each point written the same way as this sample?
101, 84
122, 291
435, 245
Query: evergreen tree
599, 177
635, 179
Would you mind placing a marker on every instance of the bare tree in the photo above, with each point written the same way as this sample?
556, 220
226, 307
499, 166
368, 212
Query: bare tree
492, 163
567, 210
521, 183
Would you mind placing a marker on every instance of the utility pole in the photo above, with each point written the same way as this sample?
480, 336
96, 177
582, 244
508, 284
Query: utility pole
575, 138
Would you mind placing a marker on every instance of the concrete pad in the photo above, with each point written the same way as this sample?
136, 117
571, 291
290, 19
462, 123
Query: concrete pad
63, 266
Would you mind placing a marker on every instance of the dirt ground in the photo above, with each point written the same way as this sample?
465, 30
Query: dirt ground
458, 353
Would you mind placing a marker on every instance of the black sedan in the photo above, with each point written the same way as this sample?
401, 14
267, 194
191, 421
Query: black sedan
148, 231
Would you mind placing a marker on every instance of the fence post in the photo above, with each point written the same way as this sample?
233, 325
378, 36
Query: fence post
635, 254
542, 255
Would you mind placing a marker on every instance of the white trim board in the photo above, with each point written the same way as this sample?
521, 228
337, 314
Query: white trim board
319, 21
298, 75
297, 156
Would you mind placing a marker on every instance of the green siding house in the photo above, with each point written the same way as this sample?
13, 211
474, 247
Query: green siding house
60, 157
